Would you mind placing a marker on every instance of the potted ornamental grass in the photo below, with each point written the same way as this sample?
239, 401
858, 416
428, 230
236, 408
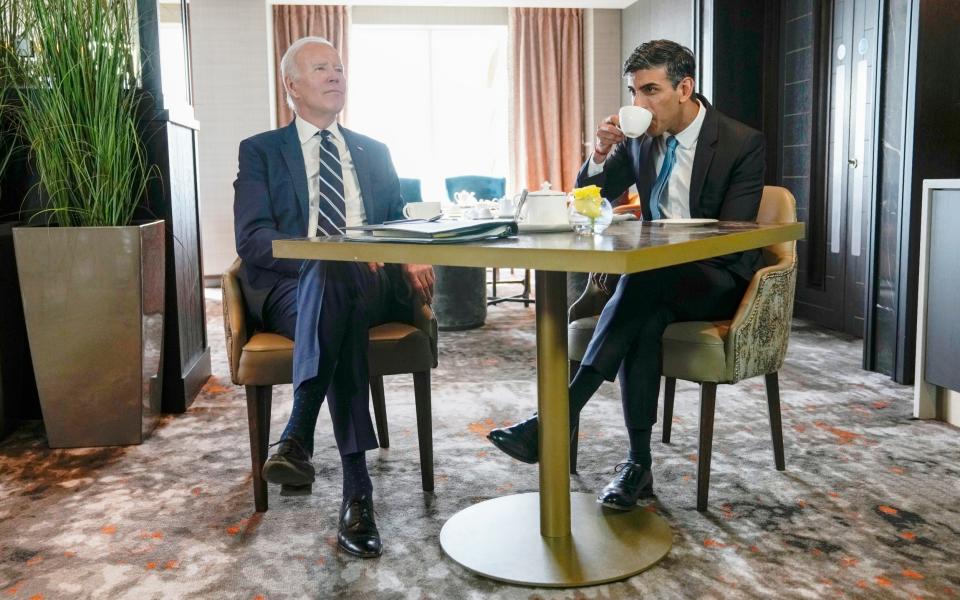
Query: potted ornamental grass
91, 278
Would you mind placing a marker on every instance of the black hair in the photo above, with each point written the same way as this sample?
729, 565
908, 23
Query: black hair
678, 60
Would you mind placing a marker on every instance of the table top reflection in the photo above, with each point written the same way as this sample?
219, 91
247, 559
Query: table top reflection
623, 248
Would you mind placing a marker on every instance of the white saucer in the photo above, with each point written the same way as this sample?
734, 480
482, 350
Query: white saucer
687, 222
534, 228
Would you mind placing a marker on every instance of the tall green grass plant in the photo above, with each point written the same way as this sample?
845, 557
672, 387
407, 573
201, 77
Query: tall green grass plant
12, 27
79, 106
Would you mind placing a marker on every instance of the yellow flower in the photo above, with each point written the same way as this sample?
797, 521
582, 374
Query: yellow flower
586, 201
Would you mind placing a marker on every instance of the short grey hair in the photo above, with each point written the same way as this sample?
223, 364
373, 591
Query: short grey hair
288, 64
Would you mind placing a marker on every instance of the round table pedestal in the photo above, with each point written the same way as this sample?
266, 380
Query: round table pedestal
460, 297
501, 539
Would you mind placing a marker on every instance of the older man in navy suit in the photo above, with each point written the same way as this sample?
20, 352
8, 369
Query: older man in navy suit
692, 161
315, 178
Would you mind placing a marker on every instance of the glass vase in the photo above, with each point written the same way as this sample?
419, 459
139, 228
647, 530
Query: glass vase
585, 225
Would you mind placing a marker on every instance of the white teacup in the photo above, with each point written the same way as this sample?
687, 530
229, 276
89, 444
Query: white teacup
634, 120
421, 210
480, 212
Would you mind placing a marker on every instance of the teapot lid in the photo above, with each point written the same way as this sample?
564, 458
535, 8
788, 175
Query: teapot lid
545, 190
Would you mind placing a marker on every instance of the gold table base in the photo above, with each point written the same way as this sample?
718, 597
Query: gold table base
499, 539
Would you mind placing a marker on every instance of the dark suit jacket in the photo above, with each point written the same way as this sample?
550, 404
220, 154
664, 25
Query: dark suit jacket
726, 182
271, 202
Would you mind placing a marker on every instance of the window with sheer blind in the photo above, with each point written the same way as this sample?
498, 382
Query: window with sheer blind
436, 95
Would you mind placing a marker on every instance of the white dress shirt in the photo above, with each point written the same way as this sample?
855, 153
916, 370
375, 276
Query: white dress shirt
310, 145
677, 205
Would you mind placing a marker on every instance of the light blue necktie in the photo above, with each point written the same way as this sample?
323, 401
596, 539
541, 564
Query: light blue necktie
658, 195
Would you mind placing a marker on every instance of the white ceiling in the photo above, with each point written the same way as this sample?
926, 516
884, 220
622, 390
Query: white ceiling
619, 4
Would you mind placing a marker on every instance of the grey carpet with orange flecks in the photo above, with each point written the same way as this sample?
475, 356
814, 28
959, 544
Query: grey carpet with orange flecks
868, 506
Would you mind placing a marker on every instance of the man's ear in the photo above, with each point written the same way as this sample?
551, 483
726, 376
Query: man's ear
289, 83
686, 88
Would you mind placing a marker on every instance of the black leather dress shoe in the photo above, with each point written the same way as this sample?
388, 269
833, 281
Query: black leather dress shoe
357, 533
518, 441
290, 466
631, 483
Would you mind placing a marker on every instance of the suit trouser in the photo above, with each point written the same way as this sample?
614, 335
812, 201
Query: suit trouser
354, 300
627, 339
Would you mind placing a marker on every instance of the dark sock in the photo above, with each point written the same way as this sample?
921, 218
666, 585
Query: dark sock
303, 416
640, 446
583, 386
356, 479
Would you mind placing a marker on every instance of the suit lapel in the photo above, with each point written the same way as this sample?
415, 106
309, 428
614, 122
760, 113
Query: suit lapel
361, 166
293, 157
644, 170
706, 145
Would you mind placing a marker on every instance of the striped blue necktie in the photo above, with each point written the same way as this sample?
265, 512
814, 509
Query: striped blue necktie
332, 217
658, 196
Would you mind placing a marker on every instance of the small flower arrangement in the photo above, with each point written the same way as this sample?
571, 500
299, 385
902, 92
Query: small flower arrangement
589, 212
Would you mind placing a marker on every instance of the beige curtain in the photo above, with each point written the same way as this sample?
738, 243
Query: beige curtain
547, 95
292, 22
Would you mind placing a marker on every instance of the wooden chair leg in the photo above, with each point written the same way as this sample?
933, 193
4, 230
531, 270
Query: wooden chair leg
574, 447
526, 288
708, 399
776, 426
574, 434
669, 389
379, 410
495, 272
258, 419
421, 391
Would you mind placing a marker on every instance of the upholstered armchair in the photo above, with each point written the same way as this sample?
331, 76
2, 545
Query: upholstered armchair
260, 360
752, 343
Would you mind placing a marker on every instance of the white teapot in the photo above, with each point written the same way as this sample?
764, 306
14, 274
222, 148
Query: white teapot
544, 207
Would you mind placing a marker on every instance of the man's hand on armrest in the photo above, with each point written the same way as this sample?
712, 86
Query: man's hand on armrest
421, 280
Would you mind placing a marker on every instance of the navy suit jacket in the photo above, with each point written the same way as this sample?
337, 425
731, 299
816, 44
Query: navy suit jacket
271, 202
726, 181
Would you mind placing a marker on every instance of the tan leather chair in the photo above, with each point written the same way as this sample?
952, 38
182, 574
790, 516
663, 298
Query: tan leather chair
260, 361
753, 343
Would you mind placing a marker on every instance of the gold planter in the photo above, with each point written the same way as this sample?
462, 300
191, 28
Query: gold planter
93, 302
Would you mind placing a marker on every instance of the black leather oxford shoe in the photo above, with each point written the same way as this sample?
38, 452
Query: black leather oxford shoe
289, 466
518, 441
630, 483
357, 533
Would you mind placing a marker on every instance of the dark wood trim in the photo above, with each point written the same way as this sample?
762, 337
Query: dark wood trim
772, 103
873, 251
817, 209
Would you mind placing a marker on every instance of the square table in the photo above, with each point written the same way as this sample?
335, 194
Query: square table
578, 543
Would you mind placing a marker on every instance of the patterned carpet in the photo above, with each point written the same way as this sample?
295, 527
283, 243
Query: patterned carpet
868, 506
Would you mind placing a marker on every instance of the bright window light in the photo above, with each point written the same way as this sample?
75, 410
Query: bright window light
435, 95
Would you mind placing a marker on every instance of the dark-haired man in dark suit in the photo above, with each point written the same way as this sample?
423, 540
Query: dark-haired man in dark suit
692, 162
314, 178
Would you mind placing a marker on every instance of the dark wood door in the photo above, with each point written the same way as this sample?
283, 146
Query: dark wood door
851, 170
842, 209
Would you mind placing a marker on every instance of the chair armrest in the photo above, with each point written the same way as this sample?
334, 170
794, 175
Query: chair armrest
234, 318
590, 302
757, 341
426, 321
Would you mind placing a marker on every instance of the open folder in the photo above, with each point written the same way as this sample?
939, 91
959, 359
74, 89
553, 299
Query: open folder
436, 232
